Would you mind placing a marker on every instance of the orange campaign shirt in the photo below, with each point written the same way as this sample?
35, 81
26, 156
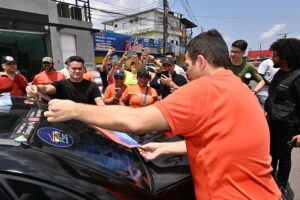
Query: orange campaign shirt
88, 76
135, 95
111, 91
47, 77
227, 138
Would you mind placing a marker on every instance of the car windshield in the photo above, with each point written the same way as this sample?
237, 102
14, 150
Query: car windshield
89, 147
72, 140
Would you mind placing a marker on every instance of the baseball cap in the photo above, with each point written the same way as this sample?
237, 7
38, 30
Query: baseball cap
47, 59
8, 59
119, 73
168, 61
143, 72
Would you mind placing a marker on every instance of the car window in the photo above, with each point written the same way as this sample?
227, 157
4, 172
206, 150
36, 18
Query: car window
91, 148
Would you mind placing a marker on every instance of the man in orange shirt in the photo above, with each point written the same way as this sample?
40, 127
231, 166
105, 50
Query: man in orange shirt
48, 73
225, 130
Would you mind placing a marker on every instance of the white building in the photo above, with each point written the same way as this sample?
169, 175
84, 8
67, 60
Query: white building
149, 24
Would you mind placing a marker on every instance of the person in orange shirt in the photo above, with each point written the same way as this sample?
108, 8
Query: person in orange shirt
48, 73
114, 91
226, 133
141, 94
10, 80
88, 76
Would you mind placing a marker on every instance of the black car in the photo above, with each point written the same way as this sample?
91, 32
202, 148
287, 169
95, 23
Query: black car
40, 160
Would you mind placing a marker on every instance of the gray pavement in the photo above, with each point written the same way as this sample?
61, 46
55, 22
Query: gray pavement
294, 179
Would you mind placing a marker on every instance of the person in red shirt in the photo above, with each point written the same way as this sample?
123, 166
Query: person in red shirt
10, 80
48, 73
114, 91
225, 130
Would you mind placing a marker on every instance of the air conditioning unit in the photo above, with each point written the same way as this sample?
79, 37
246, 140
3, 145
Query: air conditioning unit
76, 13
63, 10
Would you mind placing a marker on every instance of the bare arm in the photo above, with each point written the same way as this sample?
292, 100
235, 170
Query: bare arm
296, 139
32, 90
99, 101
119, 118
153, 150
259, 85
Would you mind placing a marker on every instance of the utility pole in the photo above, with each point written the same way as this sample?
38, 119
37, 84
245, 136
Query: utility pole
165, 25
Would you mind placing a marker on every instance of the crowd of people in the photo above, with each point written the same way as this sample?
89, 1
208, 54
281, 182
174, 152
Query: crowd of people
250, 130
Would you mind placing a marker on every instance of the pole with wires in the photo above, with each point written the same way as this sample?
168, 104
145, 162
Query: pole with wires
165, 25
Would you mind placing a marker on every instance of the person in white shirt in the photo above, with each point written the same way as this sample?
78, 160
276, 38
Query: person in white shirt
267, 71
177, 69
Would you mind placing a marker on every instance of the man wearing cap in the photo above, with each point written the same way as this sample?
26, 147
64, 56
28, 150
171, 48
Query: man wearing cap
114, 91
48, 74
10, 81
75, 88
170, 80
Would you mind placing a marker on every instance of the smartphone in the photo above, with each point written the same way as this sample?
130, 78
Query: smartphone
129, 54
117, 90
116, 59
166, 73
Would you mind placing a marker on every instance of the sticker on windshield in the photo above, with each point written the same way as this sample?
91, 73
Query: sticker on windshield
55, 137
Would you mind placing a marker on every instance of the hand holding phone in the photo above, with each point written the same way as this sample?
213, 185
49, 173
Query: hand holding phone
116, 59
118, 93
165, 73
129, 54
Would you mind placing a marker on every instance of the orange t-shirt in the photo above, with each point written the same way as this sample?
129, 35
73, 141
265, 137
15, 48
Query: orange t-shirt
111, 91
227, 138
47, 77
88, 76
135, 96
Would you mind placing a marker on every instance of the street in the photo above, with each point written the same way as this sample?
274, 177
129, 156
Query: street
295, 175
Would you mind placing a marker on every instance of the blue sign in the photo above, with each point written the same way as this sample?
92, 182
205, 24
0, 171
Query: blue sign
55, 137
104, 40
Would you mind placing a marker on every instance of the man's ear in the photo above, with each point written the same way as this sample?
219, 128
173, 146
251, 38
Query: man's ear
201, 61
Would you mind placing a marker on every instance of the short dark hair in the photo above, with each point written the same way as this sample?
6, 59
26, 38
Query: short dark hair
241, 44
74, 58
288, 50
212, 46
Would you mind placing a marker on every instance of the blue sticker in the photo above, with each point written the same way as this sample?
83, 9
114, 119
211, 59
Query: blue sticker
55, 137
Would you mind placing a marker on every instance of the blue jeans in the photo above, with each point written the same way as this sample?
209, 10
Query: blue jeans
261, 100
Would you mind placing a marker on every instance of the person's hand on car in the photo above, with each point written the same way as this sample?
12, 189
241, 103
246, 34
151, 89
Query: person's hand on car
153, 150
60, 110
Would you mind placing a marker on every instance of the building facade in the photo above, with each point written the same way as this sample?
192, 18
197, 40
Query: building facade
149, 24
32, 29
